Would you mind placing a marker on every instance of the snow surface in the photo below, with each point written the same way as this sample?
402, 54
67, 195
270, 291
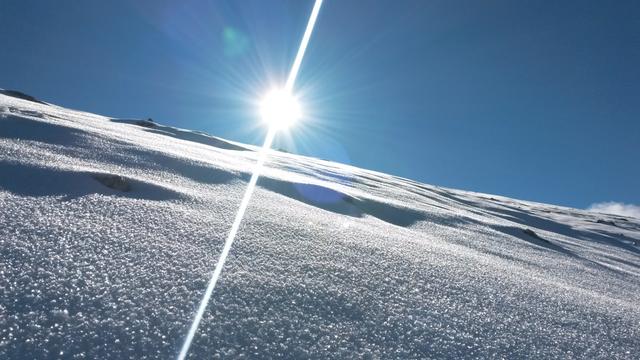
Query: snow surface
110, 228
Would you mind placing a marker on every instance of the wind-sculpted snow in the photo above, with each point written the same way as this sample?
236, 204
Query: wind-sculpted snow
194, 136
109, 231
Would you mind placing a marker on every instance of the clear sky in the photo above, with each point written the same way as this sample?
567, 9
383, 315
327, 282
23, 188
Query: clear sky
537, 100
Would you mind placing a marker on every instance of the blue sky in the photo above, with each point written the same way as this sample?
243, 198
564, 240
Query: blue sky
537, 100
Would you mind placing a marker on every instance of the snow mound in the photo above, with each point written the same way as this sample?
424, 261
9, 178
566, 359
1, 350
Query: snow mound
27, 180
195, 136
109, 229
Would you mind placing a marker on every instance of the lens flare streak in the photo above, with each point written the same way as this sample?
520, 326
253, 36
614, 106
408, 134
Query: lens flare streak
262, 156
293, 74
227, 244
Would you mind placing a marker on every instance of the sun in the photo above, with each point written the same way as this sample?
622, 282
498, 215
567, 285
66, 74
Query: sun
280, 109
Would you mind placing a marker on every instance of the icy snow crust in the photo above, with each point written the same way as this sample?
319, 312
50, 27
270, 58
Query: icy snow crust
331, 261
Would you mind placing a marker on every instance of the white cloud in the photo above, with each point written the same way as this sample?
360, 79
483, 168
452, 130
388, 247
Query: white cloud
616, 208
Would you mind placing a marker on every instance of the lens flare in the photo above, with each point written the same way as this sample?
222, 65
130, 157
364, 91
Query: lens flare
262, 156
280, 109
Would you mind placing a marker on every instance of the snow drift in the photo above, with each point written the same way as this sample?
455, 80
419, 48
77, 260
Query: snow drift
109, 229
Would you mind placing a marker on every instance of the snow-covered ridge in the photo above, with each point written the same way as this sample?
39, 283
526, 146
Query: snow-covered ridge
110, 227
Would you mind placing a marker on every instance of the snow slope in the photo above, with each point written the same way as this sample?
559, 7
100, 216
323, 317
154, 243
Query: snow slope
109, 230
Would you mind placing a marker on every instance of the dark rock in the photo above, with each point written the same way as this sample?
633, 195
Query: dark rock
115, 182
21, 95
146, 123
534, 235
600, 221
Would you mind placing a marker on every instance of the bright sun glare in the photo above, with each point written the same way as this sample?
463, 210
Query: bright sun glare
280, 109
